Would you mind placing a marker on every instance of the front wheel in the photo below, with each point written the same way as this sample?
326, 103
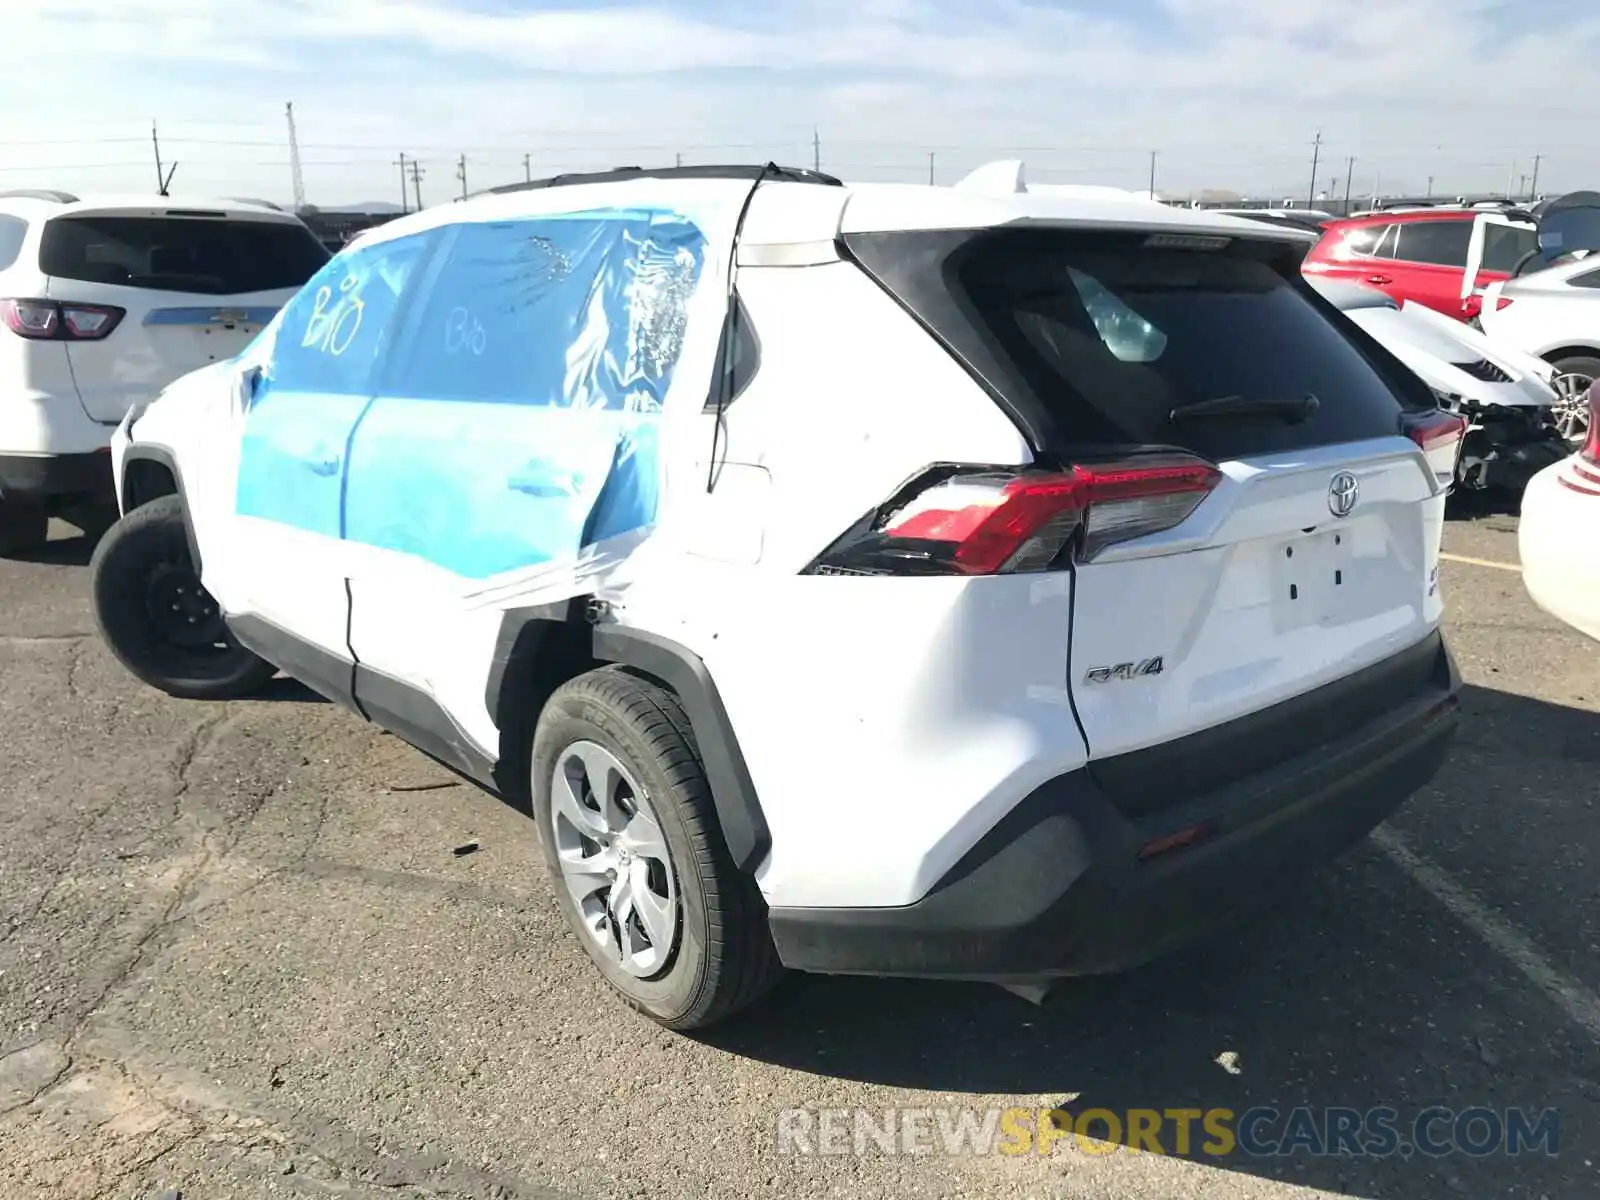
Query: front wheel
631, 839
155, 616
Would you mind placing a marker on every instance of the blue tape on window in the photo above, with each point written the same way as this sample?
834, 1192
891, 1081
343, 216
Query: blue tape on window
495, 410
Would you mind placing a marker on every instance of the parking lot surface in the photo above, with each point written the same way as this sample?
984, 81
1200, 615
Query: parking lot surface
240, 957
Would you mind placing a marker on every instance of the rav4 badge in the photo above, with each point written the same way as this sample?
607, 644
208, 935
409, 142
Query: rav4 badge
1123, 671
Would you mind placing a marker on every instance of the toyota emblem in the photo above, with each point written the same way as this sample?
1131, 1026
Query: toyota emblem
1343, 490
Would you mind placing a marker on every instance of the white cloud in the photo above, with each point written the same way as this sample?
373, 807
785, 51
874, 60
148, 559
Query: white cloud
1229, 91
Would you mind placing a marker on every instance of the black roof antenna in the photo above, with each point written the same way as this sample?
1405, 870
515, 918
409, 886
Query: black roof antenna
730, 329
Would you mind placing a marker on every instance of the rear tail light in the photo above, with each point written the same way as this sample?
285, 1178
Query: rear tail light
1502, 302
961, 520
55, 321
1439, 435
1435, 430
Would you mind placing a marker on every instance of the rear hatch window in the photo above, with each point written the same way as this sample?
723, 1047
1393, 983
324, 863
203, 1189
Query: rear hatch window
205, 256
1101, 337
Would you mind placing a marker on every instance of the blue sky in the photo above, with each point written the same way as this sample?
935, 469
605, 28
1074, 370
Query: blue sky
1229, 93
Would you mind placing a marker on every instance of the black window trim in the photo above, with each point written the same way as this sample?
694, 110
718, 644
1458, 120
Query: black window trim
743, 374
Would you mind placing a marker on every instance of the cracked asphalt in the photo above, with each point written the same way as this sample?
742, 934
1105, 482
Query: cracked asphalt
239, 958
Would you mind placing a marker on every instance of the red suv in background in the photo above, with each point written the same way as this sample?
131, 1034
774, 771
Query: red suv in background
1419, 255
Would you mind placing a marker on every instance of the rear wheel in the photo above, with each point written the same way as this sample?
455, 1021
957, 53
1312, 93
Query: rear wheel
155, 616
631, 840
1574, 376
22, 527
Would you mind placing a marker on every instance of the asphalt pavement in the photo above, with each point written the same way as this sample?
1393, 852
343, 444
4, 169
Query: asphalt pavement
240, 956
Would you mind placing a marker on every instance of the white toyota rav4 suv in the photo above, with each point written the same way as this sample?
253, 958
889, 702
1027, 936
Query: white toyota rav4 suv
859, 579
102, 303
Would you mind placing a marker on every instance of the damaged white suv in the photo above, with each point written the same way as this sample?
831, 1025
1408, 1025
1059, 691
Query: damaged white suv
864, 579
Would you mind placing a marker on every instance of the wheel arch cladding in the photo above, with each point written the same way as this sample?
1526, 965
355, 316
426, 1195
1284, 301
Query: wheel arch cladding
541, 647
744, 826
149, 472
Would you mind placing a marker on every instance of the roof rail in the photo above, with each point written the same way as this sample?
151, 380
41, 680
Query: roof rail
750, 171
39, 194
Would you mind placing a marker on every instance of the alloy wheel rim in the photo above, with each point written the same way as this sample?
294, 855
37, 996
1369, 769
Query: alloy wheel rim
614, 859
1572, 405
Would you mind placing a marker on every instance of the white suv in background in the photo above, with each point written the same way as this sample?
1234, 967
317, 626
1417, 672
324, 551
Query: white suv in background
852, 578
102, 303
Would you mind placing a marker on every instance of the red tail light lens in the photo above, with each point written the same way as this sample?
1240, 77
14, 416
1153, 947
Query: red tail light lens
957, 520
1503, 302
1435, 430
54, 321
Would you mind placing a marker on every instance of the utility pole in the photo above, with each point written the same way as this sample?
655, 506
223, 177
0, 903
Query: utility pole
162, 181
1430, 187
930, 168
1316, 155
416, 181
1377, 186
297, 176
1533, 190
527, 167
816, 150
1349, 172
461, 174
677, 159
1522, 185
1152, 174
1511, 177
401, 163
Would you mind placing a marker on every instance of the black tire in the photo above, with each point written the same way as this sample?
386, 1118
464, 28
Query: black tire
141, 571
22, 527
724, 960
1578, 364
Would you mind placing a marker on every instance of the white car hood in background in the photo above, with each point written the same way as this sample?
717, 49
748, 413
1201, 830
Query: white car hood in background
1432, 345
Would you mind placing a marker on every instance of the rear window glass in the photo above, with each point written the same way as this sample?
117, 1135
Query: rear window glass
181, 254
13, 232
1115, 337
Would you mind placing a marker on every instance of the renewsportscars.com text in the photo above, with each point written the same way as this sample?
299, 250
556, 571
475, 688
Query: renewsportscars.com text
1379, 1132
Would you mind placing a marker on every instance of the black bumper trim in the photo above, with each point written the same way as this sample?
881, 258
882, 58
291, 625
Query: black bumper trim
1057, 888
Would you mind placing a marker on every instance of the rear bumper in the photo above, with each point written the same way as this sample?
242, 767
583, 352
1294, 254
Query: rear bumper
1558, 544
1058, 887
35, 478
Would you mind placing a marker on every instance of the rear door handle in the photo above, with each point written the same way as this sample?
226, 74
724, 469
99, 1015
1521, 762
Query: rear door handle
1380, 280
323, 466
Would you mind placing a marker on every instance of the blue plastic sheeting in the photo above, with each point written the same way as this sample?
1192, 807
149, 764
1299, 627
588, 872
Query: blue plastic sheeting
515, 420
317, 378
